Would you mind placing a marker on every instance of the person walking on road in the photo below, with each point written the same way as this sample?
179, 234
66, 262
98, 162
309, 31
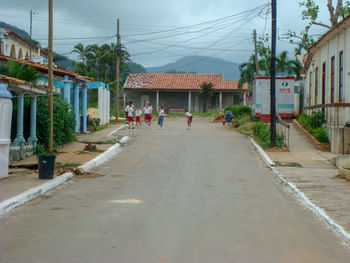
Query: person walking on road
161, 116
138, 116
189, 118
148, 114
131, 116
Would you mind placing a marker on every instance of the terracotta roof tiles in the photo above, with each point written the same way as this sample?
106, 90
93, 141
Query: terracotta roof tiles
167, 81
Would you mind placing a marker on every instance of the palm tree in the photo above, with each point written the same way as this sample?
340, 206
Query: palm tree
282, 62
247, 72
207, 92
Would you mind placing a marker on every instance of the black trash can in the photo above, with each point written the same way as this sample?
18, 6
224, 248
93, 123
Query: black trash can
46, 165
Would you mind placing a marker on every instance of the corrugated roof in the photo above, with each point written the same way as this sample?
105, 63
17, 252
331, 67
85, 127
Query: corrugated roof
167, 81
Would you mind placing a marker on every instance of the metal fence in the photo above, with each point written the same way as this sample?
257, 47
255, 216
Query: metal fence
283, 129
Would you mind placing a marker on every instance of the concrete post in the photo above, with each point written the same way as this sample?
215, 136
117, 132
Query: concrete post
66, 90
220, 100
76, 108
124, 99
84, 106
5, 128
157, 100
108, 104
33, 137
100, 103
189, 100
20, 108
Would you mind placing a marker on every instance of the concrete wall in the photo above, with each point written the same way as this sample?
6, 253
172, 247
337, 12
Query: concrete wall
179, 100
331, 46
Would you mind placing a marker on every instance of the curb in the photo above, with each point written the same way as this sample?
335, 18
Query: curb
317, 211
13, 202
262, 153
118, 129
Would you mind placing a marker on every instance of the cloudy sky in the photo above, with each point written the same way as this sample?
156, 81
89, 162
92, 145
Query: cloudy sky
226, 35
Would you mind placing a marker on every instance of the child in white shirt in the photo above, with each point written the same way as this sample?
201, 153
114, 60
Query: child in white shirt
189, 118
138, 116
161, 116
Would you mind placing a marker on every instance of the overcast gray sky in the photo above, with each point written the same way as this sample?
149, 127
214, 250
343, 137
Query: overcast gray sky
93, 18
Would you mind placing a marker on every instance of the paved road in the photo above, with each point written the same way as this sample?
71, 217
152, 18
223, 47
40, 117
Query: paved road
173, 195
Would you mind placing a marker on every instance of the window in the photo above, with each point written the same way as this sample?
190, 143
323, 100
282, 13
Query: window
341, 76
332, 79
316, 85
310, 88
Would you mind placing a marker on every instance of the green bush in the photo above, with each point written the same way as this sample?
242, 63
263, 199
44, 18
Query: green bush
239, 110
262, 131
317, 119
313, 124
63, 124
320, 135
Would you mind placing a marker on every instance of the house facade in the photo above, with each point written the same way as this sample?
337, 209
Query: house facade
15, 46
327, 83
178, 91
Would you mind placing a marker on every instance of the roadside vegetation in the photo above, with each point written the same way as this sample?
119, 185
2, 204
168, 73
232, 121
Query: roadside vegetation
246, 124
314, 125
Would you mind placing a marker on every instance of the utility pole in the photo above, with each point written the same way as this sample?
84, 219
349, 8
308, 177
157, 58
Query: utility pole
273, 74
50, 73
256, 54
31, 31
117, 74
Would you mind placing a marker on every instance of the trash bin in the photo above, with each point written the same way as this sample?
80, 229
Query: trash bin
46, 165
228, 117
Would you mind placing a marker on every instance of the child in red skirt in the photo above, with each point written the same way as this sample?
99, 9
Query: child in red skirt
131, 117
189, 118
148, 114
138, 116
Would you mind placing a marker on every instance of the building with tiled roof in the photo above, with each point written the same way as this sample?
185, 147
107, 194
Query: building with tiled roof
178, 91
327, 83
17, 47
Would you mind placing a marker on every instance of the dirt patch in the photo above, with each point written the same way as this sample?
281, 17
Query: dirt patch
276, 149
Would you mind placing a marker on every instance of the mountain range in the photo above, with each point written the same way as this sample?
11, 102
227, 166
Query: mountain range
200, 64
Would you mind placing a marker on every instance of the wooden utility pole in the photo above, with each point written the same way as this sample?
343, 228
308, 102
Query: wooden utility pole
31, 24
50, 73
256, 54
117, 73
273, 74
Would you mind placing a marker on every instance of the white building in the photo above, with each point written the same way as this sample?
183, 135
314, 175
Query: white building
327, 86
15, 46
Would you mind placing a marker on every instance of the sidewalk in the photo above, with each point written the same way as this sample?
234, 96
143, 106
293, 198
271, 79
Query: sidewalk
22, 178
317, 177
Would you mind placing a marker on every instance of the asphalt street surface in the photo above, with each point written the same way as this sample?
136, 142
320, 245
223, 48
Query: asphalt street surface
172, 195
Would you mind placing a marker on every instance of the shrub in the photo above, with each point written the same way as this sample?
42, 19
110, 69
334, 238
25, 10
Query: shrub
317, 119
239, 110
320, 135
63, 124
262, 130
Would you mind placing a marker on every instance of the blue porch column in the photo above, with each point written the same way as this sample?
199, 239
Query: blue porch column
20, 108
33, 137
76, 108
67, 88
84, 106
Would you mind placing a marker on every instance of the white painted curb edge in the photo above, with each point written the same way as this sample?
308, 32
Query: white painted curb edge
262, 153
118, 129
32, 193
317, 211
13, 202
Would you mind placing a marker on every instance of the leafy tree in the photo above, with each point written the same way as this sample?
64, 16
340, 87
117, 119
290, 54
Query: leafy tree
282, 63
19, 71
302, 40
207, 91
311, 12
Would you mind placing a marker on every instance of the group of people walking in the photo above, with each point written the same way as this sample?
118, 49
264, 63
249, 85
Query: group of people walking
147, 111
